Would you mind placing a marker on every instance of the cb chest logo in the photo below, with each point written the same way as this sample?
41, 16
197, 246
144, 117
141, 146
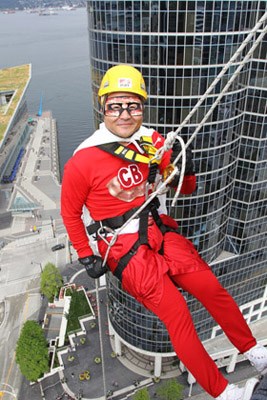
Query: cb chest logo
130, 176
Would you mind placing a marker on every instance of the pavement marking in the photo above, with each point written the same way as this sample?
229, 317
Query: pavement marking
75, 275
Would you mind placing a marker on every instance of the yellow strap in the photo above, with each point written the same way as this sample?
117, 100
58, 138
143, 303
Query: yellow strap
142, 159
131, 155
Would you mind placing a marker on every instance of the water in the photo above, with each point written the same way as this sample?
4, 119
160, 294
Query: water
57, 47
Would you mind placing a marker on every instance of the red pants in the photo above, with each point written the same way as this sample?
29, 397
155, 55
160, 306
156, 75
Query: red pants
153, 278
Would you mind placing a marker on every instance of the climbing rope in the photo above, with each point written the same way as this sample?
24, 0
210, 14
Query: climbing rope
171, 137
182, 170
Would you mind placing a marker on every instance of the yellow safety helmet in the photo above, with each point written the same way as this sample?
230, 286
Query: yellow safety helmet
122, 78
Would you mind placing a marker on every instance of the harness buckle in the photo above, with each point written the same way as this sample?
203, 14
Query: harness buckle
103, 231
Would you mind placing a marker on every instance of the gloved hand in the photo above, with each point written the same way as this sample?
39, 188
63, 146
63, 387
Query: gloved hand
189, 164
93, 266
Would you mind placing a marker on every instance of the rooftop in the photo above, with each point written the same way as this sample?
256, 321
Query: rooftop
13, 83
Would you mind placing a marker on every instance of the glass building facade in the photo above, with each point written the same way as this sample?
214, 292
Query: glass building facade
180, 47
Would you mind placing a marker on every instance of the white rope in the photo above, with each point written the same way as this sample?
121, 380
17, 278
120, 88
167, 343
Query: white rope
172, 136
170, 139
181, 172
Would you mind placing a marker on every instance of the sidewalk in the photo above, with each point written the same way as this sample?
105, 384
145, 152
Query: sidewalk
40, 176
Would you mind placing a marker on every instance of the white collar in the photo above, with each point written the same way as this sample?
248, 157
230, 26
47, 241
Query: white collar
103, 135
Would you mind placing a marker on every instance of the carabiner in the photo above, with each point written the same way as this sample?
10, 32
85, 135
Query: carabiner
103, 231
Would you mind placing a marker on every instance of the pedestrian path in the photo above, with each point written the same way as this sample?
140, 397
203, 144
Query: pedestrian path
31, 166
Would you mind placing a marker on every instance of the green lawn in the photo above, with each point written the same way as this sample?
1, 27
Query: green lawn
12, 79
79, 307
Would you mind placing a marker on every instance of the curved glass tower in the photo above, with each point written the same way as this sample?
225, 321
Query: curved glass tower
180, 47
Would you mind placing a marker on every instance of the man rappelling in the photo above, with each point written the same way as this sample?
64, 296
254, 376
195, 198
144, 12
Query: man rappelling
112, 174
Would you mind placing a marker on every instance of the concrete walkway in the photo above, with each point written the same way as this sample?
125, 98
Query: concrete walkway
40, 151
31, 166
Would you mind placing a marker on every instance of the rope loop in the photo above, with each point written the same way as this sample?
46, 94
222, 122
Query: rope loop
169, 141
168, 144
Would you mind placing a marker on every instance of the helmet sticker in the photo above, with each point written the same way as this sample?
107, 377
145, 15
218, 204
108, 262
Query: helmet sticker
122, 78
125, 83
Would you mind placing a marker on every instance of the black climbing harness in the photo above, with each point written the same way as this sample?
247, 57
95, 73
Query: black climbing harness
116, 222
101, 228
151, 209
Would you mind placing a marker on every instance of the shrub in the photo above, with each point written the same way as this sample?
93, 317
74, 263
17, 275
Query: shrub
170, 390
142, 394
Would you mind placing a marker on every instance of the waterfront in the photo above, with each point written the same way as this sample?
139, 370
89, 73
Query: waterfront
57, 47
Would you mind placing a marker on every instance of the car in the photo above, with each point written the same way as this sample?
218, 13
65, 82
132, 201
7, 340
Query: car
58, 247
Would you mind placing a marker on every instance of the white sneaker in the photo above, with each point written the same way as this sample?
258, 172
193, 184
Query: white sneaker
257, 356
233, 392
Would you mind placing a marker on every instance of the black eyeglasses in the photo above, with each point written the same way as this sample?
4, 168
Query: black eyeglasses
116, 109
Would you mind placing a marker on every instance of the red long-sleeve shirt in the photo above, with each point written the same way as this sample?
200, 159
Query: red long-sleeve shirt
107, 185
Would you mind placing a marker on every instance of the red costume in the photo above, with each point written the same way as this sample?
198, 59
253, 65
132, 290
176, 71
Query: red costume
110, 186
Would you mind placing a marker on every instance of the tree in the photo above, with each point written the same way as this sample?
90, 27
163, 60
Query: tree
51, 281
170, 390
142, 394
32, 351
